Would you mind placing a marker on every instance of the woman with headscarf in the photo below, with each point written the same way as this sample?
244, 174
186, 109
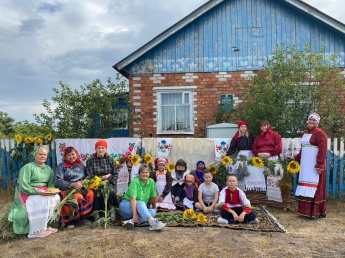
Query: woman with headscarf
103, 166
269, 144
311, 189
33, 206
242, 141
69, 175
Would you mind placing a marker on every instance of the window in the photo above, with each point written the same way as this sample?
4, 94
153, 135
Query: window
175, 111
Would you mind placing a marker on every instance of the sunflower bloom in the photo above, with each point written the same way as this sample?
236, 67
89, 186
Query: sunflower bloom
117, 163
135, 159
49, 137
95, 184
257, 162
189, 214
18, 138
171, 167
38, 140
29, 140
148, 158
226, 160
201, 218
293, 167
213, 169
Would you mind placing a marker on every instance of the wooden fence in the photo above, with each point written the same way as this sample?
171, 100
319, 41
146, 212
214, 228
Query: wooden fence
334, 177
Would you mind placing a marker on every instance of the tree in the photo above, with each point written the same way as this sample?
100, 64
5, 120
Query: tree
293, 84
93, 111
6, 125
30, 129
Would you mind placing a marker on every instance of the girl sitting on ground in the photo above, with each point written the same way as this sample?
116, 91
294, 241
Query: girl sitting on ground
208, 194
190, 193
163, 185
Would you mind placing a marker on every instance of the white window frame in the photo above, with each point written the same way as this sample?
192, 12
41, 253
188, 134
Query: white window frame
177, 89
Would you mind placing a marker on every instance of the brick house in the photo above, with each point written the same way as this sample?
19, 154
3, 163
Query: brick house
178, 78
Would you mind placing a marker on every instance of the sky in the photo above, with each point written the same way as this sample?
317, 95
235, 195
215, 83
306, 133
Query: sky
43, 42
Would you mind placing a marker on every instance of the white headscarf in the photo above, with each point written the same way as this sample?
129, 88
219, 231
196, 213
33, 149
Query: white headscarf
315, 116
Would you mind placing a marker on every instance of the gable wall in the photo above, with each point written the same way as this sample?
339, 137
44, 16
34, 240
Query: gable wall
255, 27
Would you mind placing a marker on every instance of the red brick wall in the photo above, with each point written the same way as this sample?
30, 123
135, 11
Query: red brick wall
206, 100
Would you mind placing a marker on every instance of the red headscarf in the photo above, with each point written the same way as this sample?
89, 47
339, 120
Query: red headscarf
269, 129
100, 143
67, 162
239, 125
161, 160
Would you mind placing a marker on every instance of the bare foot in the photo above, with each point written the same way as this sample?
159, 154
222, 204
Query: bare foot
52, 230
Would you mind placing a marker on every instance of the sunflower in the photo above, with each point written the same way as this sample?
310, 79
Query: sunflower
148, 158
94, 184
257, 162
201, 218
213, 169
171, 167
29, 140
226, 160
293, 167
135, 159
18, 138
38, 140
117, 163
49, 137
189, 214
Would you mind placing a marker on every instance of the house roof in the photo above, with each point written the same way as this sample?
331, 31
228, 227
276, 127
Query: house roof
300, 5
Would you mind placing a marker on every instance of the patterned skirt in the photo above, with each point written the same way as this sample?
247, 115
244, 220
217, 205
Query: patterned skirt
85, 205
313, 207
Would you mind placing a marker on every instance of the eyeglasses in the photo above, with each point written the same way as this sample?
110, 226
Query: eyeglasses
179, 167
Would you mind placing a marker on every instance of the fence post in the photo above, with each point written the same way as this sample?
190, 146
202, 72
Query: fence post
7, 144
328, 166
341, 163
3, 161
335, 162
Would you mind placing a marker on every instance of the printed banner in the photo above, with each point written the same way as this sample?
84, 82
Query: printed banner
163, 147
221, 147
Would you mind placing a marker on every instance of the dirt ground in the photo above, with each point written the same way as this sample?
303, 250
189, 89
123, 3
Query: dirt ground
304, 238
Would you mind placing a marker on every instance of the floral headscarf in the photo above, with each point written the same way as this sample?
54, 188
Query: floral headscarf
37, 149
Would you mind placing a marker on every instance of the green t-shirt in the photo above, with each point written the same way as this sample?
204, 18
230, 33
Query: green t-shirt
141, 192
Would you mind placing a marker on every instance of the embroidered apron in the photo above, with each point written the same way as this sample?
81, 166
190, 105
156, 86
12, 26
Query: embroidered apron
308, 177
160, 185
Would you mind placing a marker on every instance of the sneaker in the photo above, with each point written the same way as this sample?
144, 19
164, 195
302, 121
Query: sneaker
157, 225
221, 220
177, 199
216, 211
254, 221
128, 224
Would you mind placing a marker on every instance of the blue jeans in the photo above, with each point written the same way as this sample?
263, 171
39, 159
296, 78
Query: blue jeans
143, 212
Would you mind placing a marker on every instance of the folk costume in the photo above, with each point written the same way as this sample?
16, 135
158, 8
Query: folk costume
66, 174
31, 212
241, 143
268, 142
190, 193
163, 181
237, 201
311, 189
101, 166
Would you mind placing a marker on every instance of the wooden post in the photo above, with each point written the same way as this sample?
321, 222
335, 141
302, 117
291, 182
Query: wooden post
341, 163
3, 161
335, 163
328, 166
7, 146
